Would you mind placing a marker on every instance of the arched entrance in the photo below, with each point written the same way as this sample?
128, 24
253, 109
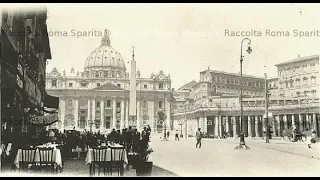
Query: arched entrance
160, 121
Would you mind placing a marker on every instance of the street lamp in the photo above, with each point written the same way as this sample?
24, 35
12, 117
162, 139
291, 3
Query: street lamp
242, 144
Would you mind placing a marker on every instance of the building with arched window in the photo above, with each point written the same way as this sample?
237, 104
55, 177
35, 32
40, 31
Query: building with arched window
97, 98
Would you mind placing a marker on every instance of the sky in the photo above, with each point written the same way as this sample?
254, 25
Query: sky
184, 39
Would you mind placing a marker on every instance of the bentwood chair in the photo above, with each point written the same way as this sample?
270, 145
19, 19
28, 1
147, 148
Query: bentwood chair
100, 161
27, 159
117, 159
46, 160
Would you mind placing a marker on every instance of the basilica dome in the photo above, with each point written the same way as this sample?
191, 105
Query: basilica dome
105, 57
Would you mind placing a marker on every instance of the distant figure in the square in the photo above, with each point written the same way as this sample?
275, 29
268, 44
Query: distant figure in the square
177, 135
198, 137
168, 133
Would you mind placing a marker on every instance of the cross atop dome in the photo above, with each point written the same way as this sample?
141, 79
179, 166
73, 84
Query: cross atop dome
105, 41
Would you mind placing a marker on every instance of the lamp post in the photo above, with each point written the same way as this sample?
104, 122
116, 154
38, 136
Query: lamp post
242, 144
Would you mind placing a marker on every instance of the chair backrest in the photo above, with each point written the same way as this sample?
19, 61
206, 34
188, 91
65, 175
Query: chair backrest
28, 155
46, 155
100, 154
117, 153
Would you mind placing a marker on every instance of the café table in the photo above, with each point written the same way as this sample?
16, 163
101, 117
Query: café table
56, 155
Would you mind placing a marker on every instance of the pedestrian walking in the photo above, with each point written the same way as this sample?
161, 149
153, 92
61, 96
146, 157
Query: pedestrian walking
177, 135
168, 134
198, 137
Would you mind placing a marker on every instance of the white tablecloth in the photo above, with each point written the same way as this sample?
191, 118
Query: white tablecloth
89, 157
56, 157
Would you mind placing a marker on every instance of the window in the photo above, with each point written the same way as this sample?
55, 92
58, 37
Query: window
70, 84
98, 84
97, 75
119, 85
106, 74
108, 103
54, 83
83, 84
82, 111
160, 104
98, 104
118, 105
160, 85
145, 86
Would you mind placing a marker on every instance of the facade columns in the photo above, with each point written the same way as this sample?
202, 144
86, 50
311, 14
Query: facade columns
249, 127
151, 115
62, 112
126, 122
89, 114
76, 113
234, 126
216, 126
167, 121
93, 113
114, 112
102, 113
122, 114
256, 126
138, 115
285, 121
301, 122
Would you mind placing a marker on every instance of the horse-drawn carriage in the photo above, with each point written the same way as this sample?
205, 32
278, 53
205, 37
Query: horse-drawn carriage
287, 135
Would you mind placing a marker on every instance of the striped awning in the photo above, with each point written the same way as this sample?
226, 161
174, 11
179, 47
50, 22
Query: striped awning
44, 120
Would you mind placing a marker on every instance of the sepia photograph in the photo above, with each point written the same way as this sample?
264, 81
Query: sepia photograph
160, 90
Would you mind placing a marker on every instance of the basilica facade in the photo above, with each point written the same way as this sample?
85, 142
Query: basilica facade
98, 98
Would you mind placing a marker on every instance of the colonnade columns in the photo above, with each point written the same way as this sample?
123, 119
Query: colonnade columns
76, 113
277, 118
293, 123
227, 125
307, 122
274, 129
122, 123
102, 113
256, 126
205, 124
249, 127
301, 122
234, 126
314, 121
216, 126
285, 121
220, 126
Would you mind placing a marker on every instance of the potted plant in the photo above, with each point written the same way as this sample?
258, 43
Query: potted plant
143, 166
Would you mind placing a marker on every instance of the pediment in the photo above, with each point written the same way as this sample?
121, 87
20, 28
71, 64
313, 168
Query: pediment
108, 87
